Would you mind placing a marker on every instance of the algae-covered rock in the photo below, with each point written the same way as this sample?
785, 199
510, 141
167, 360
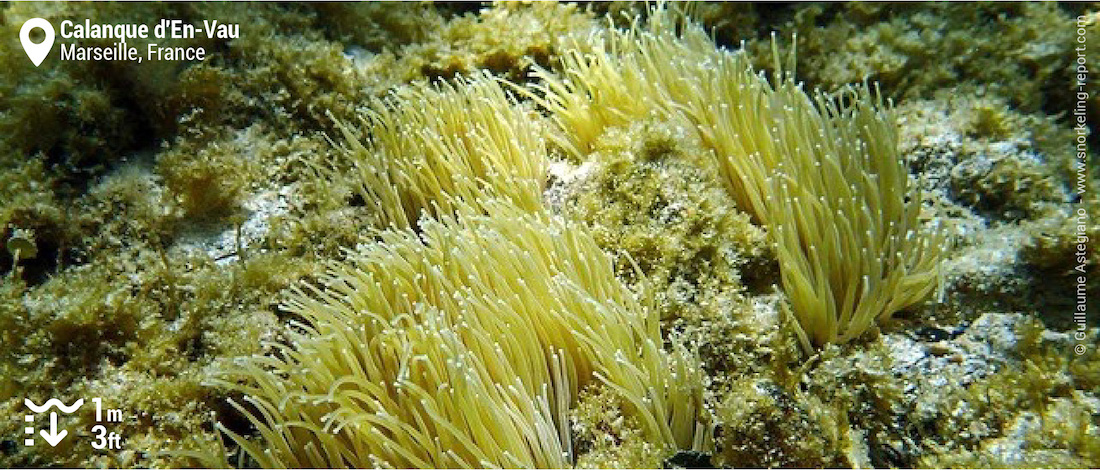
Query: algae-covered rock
651, 202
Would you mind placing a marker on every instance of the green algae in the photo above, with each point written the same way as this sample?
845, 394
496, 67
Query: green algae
650, 201
605, 438
1017, 51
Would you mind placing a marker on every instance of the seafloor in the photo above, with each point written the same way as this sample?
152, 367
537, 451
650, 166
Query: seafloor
172, 206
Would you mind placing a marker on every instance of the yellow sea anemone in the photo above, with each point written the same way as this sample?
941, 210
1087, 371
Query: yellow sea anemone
823, 174
463, 345
426, 148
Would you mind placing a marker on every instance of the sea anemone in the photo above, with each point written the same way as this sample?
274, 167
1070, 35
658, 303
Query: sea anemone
463, 345
822, 173
426, 147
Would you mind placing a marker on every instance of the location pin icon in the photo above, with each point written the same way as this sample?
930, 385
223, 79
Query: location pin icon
37, 52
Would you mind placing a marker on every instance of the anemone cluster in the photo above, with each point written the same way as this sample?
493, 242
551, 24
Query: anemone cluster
461, 338
463, 335
555, 234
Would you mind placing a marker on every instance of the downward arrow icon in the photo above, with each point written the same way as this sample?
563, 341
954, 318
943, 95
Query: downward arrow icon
53, 437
